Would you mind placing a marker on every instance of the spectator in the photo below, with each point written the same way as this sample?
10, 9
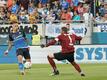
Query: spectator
70, 2
98, 17
65, 4
87, 16
36, 14
101, 10
43, 2
80, 8
66, 15
23, 17
45, 12
13, 17
8, 16
24, 4
56, 6
9, 4
15, 8
50, 16
48, 6
75, 2
76, 16
30, 8
21, 9
32, 19
70, 12
63, 14
40, 8
2, 2
104, 18
2, 13
36, 2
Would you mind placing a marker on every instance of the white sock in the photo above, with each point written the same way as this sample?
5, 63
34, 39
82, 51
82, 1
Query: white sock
81, 72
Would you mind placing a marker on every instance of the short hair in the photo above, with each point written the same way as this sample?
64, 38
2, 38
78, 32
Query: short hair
64, 29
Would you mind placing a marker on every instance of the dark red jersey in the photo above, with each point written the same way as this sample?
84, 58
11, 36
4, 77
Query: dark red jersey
67, 42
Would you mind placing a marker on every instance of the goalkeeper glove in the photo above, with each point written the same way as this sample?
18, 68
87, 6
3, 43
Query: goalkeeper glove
43, 45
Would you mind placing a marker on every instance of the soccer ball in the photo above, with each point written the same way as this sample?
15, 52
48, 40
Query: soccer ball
27, 65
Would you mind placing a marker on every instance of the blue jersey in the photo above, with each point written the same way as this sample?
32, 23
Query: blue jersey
14, 9
19, 39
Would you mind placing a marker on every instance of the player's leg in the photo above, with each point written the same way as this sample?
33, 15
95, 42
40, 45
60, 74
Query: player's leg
70, 58
50, 58
20, 60
77, 67
57, 56
27, 56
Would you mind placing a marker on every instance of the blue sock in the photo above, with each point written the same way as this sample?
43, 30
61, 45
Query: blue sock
21, 67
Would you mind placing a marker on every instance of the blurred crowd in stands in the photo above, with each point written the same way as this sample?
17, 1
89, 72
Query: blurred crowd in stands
35, 11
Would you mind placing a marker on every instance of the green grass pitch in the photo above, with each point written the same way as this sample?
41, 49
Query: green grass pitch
42, 72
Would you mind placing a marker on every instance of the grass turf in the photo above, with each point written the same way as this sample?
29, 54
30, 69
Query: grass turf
42, 72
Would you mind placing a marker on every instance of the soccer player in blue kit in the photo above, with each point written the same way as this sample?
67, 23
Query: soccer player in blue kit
18, 38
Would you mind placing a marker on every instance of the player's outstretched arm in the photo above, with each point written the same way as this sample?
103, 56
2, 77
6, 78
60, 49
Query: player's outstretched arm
9, 48
52, 42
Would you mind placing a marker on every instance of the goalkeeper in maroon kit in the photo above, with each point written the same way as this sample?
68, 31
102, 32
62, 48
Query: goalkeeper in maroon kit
67, 53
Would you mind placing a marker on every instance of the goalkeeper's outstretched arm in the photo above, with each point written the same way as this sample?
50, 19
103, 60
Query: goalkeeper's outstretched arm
52, 42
